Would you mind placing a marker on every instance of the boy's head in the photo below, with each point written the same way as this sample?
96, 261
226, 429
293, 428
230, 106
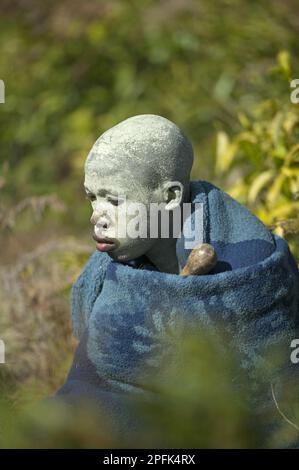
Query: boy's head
144, 159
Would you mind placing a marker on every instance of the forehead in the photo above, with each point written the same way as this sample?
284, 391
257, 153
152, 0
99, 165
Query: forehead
118, 180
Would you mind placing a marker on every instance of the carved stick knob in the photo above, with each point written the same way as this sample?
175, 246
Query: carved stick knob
201, 260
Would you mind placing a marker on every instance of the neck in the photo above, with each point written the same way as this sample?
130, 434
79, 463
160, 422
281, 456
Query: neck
163, 255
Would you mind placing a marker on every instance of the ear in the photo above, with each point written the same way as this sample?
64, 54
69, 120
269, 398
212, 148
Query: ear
172, 194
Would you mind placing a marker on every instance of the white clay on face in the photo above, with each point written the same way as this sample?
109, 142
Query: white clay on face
135, 159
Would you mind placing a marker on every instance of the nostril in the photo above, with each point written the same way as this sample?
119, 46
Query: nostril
105, 226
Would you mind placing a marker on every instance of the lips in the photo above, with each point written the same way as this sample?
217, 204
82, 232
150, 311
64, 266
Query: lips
105, 244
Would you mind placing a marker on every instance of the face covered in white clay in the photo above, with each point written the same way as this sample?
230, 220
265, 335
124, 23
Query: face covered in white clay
144, 159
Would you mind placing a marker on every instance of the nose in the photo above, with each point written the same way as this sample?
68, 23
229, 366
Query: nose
102, 225
100, 220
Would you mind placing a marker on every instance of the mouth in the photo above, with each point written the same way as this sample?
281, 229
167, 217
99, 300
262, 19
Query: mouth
105, 244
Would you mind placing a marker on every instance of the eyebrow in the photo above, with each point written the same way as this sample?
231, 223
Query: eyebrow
102, 192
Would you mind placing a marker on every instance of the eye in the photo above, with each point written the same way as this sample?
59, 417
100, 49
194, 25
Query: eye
90, 196
115, 200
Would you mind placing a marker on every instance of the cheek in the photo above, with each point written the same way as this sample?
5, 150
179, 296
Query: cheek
130, 220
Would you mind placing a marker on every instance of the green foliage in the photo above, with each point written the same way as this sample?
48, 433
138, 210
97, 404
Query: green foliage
261, 162
265, 154
72, 71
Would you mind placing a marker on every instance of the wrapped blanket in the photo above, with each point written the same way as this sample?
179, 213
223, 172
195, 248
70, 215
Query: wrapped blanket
120, 312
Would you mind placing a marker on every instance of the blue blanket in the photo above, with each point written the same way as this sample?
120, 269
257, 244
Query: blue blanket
120, 312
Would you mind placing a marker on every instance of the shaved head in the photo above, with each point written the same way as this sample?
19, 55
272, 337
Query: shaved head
151, 147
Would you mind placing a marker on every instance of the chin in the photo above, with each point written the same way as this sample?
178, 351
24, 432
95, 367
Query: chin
122, 254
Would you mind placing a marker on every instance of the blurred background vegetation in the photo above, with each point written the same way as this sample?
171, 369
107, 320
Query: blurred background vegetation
221, 70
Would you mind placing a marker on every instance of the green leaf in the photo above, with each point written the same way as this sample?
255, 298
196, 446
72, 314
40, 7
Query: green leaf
259, 183
225, 152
